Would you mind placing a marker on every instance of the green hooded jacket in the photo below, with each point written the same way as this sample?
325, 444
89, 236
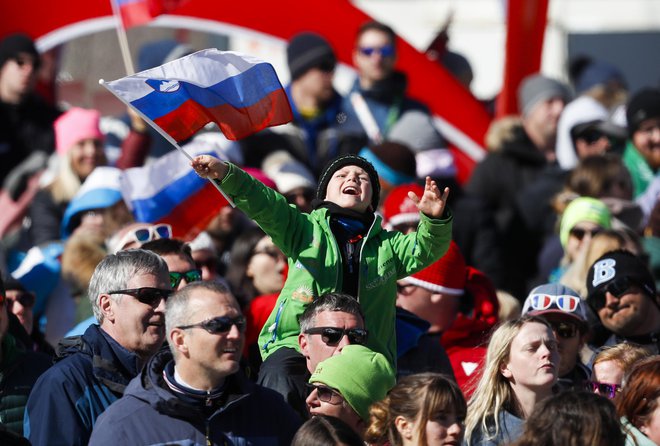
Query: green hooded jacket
315, 262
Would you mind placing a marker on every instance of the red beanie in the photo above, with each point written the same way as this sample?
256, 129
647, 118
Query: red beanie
398, 208
447, 275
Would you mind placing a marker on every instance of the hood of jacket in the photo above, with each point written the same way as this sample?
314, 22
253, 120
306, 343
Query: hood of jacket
507, 136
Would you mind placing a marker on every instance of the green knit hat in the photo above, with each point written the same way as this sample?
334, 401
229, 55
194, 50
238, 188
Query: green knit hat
362, 376
584, 209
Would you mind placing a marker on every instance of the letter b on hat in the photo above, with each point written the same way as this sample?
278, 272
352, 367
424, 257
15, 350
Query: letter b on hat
603, 271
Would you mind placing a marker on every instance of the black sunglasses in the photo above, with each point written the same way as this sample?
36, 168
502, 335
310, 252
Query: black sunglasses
25, 299
579, 233
616, 287
608, 390
332, 335
564, 330
194, 275
146, 295
326, 394
591, 136
217, 325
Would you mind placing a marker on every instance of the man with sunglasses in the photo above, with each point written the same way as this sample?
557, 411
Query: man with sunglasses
195, 392
178, 256
565, 311
622, 292
378, 98
127, 293
26, 120
315, 103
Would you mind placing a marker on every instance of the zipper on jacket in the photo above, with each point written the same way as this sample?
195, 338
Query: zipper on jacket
366, 271
274, 326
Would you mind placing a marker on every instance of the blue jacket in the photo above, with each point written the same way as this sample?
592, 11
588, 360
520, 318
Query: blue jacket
92, 372
150, 413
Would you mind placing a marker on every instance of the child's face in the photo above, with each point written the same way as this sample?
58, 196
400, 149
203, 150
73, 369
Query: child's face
350, 188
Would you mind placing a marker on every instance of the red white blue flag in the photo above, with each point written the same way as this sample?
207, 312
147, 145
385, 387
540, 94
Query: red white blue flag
240, 93
139, 12
169, 191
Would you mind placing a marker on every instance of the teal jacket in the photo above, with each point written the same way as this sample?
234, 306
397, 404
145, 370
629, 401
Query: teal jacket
315, 262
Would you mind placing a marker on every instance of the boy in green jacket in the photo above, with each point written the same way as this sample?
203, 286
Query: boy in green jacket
339, 247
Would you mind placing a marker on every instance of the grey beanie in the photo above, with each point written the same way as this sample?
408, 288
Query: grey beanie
415, 129
536, 88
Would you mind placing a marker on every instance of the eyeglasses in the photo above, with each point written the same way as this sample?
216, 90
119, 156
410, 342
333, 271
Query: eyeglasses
217, 325
564, 330
405, 289
327, 66
22, 61
326, 394
25, 299
608, 390
565, 303
271, 251
384, 51
579, 233
616, 287
194, 275
144, 235
592, 136
306, 194
146, 295
332, 335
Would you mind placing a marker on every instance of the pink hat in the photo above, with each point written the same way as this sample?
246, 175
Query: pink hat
75, 125
447, 275
398, 208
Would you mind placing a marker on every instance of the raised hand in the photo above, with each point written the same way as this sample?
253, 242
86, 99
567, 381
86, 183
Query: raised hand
433, 202
207, 166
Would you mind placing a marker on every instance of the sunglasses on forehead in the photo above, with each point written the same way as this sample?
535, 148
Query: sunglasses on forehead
194, 275
146, 295
144, 235
565, 303
217, 325
332, 335
608, 390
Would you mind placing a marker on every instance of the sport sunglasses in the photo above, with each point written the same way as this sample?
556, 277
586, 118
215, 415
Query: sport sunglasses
217, 325
332, 335
605, 389
146, 295
194, 275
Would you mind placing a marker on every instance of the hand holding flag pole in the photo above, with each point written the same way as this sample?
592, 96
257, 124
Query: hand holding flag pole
240, 93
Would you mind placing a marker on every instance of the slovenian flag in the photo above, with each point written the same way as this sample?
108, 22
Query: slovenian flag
241, 94
169, 191
139, 12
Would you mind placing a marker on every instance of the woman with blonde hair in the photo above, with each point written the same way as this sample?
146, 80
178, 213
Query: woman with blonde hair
520, 370
424, 409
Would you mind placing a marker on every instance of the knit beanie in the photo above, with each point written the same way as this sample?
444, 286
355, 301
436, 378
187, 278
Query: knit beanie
360, 375
307, 51
447, 275
536, 88
584, 209
75, 125
15, 44
398, 208
416, 130
598, 73
645, 104
287, 172
349, 160
394, 162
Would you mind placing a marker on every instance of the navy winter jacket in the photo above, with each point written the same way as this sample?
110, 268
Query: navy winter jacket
92, 372
151, 414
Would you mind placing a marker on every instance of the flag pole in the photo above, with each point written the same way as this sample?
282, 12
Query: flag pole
123, 39
165, 135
